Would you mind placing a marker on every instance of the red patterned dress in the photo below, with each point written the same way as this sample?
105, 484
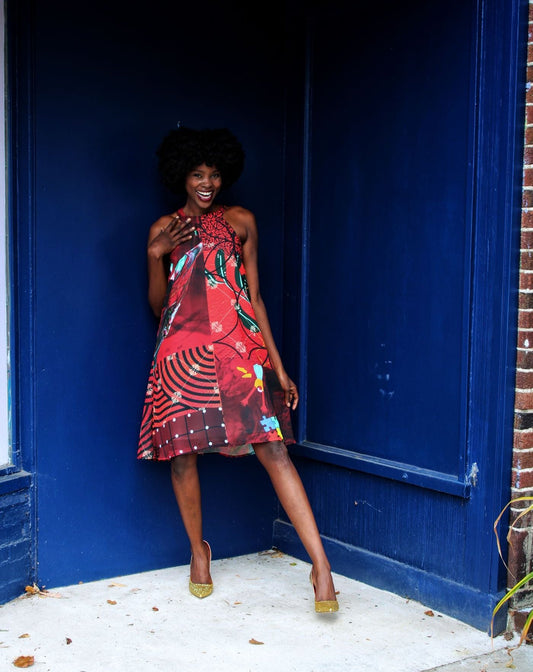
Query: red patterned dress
211, 386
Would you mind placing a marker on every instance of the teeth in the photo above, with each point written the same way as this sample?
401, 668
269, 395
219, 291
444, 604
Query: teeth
204, 194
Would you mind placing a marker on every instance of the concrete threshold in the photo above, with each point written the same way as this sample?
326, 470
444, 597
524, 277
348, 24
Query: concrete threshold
259, 618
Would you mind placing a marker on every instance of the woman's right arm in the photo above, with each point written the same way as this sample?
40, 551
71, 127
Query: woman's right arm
164, 236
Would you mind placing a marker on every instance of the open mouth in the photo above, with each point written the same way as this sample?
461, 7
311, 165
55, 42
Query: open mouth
205, 195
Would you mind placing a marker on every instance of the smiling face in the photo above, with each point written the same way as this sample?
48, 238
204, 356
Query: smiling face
202, 185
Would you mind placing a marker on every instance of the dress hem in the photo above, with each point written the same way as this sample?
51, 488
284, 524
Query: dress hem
225, 452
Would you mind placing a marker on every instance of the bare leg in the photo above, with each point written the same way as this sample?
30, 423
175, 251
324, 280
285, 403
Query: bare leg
186, 486
291, 493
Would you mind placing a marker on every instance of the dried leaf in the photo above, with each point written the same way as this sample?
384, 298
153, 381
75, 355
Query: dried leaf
24, 636
273, 553
32, 590
35, 590
111, 601
24, 661
429, 613
69, 641
237, 602
115, 583
155, 609
254, 641
293, 564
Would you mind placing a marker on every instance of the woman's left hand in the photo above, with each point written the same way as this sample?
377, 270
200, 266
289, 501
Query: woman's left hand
290, 390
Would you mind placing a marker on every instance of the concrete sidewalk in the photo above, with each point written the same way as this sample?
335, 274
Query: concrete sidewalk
259, 618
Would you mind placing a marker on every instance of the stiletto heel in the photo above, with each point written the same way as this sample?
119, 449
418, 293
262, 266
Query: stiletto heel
323, 606
202, 589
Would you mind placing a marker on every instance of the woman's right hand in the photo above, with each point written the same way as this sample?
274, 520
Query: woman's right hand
169, 236
165, 234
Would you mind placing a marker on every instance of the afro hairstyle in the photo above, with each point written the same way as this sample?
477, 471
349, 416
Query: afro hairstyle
183, 149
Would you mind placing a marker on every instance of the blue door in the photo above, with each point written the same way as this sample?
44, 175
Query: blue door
411, 151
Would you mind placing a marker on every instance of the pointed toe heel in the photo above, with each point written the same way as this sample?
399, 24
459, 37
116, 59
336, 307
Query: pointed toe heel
323, 606
326, 606
202, 590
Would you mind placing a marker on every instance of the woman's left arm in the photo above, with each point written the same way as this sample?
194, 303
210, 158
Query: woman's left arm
245, 225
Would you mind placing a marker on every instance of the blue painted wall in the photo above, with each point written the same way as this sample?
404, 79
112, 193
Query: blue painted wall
16, 535
106, 82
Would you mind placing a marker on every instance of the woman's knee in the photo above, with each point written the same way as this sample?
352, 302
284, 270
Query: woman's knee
183, 464
274, 452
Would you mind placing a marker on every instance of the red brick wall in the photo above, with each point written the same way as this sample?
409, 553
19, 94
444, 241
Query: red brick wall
521, 539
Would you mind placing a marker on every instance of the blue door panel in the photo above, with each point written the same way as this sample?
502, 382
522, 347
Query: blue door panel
408, 148
390, 230
389, 519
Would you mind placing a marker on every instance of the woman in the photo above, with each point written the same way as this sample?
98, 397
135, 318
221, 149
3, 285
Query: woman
217, 382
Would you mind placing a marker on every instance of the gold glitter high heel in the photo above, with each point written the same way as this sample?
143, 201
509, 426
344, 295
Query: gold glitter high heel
323, 606
202, 589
